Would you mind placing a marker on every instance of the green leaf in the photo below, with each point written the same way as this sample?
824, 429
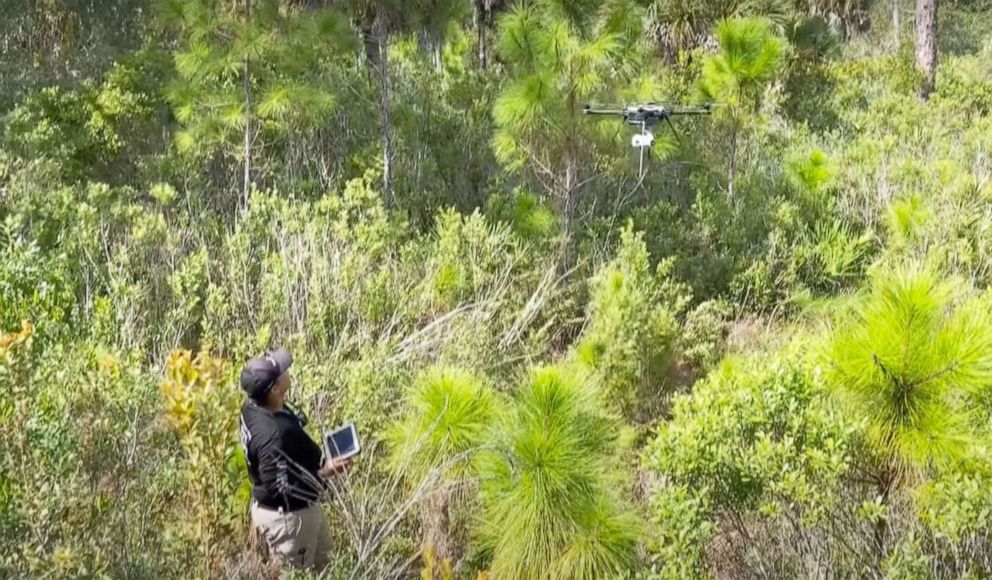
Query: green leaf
523, 105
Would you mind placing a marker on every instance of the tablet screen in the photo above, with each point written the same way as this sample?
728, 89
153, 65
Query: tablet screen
342, 443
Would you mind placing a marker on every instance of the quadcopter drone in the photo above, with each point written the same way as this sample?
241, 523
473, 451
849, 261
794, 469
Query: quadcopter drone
648, 115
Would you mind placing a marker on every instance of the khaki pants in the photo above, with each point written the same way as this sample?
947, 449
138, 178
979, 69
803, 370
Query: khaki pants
300, 538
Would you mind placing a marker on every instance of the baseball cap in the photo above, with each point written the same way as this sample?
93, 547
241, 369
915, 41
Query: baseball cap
261, 373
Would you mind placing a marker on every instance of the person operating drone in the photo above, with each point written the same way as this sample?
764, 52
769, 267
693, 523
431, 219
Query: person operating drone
286, 467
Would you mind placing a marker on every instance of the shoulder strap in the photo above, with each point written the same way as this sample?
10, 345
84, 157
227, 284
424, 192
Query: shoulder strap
299, 416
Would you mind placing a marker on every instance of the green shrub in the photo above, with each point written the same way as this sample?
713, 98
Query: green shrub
85, 464
756, 440
703, 333
633, 329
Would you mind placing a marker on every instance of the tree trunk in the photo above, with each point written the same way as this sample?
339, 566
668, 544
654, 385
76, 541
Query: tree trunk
430, 43
895, 23
732, 169
886, 481
482, 13
370, 43
571, 190
570, 207
246, 83
382, 40
437, 530
570, 187
926, 44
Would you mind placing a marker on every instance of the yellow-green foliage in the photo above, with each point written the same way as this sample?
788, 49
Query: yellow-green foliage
14, 350
551, 491
201, 404
547, 464
756, 432
750, 55
910, 360
448, 419
633, 325
435, 569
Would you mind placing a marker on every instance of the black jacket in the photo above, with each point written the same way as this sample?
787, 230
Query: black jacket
282, 459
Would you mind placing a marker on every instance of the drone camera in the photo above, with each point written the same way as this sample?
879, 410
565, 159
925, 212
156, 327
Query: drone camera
642, 140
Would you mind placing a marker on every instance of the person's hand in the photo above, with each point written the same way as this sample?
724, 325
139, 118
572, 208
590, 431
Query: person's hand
333, 466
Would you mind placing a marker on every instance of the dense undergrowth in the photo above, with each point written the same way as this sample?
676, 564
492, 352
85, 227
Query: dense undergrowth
769, 355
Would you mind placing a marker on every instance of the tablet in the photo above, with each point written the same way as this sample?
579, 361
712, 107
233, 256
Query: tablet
342, 442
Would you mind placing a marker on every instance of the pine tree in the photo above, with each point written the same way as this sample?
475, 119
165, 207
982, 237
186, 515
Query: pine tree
749, 57
449, 419
248, 70
560, 55
909, 362
550, 507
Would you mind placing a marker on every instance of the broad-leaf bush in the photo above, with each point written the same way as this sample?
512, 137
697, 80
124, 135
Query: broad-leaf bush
201, 408
632, 338
92, 453
757, 439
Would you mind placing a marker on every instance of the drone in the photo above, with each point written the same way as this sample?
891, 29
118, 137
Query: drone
648, 115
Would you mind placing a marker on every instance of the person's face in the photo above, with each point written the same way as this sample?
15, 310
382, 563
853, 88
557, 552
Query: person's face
283, 383
277, 395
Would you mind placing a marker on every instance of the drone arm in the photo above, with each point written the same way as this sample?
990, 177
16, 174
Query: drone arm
614, 112
692, 110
